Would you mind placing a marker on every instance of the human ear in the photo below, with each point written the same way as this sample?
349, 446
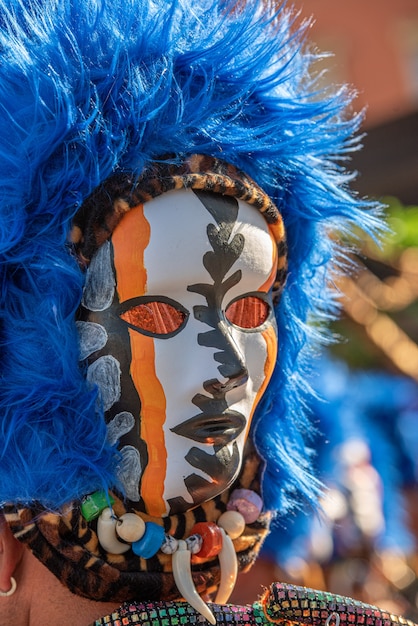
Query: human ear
10, 554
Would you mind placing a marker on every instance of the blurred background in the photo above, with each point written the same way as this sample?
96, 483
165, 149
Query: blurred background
365, 542
375, 48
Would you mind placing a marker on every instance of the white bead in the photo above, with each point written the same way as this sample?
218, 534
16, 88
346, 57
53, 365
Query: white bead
194, 543
130, 527
169, 545
233, 523
106, 533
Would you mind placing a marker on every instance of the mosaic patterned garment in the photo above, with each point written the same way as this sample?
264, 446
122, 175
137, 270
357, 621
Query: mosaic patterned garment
282, 604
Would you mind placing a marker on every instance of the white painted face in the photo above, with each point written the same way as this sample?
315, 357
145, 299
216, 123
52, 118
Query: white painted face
178, 327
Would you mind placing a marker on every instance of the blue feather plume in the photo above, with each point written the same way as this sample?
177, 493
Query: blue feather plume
92, 87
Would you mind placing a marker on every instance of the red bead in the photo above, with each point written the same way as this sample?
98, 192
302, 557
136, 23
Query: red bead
212, 539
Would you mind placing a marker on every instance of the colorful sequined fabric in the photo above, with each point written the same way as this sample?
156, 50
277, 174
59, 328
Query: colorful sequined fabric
290, 604
282, 604
180, 613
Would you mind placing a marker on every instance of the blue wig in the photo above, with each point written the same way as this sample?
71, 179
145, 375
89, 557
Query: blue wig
90, 88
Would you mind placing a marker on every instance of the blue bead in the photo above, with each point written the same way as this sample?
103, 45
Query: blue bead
150, 542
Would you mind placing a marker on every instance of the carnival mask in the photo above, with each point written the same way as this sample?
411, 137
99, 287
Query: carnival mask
178, 327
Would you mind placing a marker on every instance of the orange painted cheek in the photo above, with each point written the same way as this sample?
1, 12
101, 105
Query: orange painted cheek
129, 239
268, 284
270, 337
153, 413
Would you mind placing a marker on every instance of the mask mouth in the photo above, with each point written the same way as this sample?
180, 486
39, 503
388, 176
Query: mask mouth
217, 430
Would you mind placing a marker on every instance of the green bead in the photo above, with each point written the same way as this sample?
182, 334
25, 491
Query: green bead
93, 504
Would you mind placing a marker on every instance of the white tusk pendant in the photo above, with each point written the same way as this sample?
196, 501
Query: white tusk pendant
182, 573
106, 533
229, 569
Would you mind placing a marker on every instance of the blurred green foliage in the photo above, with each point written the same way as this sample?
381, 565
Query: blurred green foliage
403, 222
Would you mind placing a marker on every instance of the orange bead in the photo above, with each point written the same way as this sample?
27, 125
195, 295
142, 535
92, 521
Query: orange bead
212, 539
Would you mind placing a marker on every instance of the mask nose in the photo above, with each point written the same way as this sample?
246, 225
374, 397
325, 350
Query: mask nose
232, 383
232, 363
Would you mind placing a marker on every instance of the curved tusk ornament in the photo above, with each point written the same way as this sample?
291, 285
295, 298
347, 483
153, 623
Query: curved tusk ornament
229, 569
182, 573
106, 533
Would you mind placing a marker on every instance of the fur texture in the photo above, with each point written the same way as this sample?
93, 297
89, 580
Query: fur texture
93, 87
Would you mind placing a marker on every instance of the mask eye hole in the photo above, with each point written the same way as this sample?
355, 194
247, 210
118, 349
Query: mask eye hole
248, 312
154, 317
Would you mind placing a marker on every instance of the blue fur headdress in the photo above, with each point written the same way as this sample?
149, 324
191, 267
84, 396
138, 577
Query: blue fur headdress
89, 88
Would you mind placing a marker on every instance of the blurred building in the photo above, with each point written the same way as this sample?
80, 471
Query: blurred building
375, 49
375, 46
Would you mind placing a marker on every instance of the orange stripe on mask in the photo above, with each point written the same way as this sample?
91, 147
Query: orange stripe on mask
130, 238
270, 337
153, 411
267, 285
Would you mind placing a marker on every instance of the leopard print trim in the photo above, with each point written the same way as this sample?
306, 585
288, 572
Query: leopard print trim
68, 546
104, 208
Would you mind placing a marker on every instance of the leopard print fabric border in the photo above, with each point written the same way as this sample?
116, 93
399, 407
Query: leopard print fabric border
68, 546
104, 208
